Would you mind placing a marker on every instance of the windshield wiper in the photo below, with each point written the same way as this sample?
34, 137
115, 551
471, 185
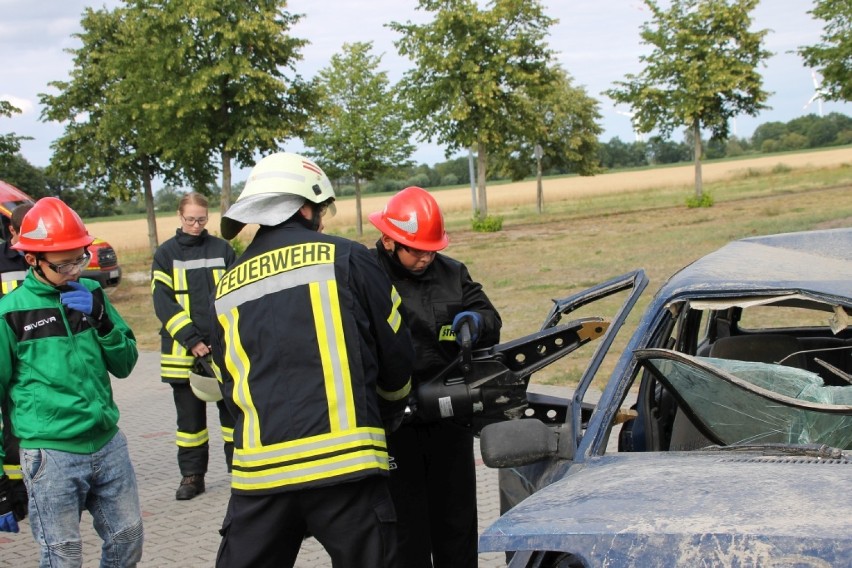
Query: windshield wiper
809, 450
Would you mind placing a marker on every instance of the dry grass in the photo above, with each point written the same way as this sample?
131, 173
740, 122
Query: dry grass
581, 240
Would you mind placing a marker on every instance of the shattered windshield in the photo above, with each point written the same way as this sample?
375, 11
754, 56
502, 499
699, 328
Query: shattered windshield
737, 402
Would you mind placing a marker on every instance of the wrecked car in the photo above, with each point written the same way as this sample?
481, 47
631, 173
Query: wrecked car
722, 436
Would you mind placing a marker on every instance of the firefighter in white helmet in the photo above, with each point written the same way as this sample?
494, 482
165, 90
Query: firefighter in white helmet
315, 363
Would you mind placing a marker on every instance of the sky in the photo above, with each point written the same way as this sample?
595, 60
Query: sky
597, 42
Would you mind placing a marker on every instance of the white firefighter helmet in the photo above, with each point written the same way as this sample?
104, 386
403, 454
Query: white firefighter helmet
204, 387
276, 188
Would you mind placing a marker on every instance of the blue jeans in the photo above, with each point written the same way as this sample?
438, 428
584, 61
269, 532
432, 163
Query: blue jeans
62, 484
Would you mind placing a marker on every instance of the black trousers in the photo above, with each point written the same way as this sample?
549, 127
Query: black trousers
355, 523
192, 420
433, 484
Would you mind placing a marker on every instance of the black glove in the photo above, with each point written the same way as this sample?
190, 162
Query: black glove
20, 499
8, 523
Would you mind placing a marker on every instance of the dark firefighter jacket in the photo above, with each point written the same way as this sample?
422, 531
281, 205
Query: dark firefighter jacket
430, 302
13, 268
184, 274
312, 352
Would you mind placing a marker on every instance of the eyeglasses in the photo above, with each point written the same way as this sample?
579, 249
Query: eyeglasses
194, 220
416, 252
72, 266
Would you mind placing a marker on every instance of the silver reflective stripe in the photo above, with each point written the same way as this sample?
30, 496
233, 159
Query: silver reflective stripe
332, 354
291, 279
310, 447
199, 263
306, 472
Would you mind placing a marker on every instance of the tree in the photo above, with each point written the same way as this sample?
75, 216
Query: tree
832, 57
358, 130
10, 144
565, 127
701, 73
227, 97
109, 141
473, 75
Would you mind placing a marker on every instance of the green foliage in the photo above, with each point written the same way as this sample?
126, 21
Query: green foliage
487, 224
476, 72
239, 245
832, 56
704, 200
702, 70
10, 144
359, 131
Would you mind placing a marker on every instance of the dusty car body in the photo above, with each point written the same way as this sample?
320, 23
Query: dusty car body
739, 451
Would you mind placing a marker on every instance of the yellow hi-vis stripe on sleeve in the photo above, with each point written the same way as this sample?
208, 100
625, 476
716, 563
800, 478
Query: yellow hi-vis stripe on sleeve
239, 367
333, 354
177, 322
227, 434
394, 319
181, 284
160, 276
397, 394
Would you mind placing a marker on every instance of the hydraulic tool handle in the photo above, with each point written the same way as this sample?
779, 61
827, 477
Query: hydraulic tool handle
466, 348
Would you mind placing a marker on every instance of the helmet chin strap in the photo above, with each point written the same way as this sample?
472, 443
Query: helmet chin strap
40, 272
316, 219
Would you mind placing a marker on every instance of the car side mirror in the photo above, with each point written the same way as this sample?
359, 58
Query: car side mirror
518, 442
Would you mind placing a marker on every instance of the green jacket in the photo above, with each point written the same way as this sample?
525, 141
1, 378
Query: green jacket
54, 369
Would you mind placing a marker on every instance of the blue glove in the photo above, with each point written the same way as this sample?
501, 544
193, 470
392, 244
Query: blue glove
79, 298
474, 322
8, 523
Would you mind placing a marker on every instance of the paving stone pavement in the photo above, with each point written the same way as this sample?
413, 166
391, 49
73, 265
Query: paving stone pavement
185, 533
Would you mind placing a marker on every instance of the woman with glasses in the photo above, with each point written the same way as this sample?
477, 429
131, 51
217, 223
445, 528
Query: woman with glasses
184, 274
433, 476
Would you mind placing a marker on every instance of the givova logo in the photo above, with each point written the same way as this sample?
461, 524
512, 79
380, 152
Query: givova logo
39, 323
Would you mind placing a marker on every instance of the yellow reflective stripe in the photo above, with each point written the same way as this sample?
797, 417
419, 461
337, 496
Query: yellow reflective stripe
227, 434
176, 365
334, 466
394, 319
239, 367
181, 287
12, 471
397, 394
295, 450
177, 322
217, 275
160, 276
333, 354
11, 280
192, 439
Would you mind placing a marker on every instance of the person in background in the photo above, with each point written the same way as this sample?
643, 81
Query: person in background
13, 269
60, 340
433, 476
184, 274
315, 363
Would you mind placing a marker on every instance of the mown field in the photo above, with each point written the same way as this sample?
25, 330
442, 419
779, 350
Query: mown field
633, 220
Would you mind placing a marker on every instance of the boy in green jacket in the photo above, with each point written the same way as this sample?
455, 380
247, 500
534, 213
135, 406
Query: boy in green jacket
59, 341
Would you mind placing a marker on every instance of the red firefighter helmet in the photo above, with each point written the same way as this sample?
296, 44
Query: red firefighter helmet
412, 218
52, 226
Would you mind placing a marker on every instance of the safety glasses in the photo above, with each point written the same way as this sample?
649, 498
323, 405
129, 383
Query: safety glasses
71, 266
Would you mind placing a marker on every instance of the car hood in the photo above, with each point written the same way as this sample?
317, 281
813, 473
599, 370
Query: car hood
687, 509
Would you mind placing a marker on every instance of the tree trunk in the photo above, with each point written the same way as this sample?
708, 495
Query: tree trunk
481, 168
358, 226
696, 130
226, 182
151, 214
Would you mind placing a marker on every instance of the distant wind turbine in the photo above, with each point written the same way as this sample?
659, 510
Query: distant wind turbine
819, 93
631, 115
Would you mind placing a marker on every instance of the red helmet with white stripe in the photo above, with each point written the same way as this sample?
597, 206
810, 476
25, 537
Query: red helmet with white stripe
412, 218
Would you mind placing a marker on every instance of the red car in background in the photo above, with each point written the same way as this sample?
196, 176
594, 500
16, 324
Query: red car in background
104, 265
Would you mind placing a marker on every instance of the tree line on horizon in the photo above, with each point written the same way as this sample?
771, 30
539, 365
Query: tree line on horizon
179, 90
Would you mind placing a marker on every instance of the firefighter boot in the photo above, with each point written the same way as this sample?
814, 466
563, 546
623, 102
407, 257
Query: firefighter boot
190, 486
